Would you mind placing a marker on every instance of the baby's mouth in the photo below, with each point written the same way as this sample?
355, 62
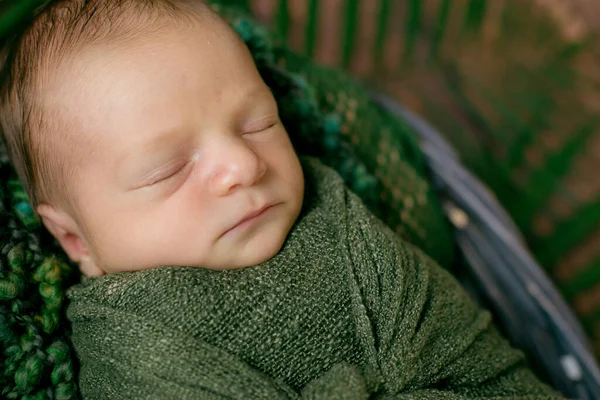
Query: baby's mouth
250, 218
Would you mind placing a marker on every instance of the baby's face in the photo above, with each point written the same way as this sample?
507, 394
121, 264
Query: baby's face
186, 160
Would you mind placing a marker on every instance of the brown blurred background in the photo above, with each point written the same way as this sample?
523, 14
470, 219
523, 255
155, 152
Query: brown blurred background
514, 84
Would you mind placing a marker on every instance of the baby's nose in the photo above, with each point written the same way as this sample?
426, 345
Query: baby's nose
239, 167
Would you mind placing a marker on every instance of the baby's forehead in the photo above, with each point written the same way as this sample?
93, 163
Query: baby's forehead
135, 55
72, 25
149, 78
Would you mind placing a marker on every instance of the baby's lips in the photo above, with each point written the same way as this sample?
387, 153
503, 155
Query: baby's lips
250, 215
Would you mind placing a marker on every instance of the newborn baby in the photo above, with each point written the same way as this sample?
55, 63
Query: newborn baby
169, 140
153, 152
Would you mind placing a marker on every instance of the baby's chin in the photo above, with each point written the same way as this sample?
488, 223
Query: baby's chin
255, 253
256, 250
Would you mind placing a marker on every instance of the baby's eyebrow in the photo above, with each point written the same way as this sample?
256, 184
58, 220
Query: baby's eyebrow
254, 94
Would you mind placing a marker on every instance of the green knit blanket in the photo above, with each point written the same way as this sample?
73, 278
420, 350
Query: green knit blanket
345, 310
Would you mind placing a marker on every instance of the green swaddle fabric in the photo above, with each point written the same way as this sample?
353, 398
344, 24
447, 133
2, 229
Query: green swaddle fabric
346, 310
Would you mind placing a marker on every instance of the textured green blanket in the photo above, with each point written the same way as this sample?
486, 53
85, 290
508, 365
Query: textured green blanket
346, 310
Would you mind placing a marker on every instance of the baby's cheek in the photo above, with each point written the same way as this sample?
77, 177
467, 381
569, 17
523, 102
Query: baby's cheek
183, 240
127, 244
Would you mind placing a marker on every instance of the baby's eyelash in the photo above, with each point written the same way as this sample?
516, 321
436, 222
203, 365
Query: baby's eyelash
169, 175
264, 128
268, 124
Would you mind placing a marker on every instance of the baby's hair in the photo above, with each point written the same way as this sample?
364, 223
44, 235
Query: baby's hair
32, 55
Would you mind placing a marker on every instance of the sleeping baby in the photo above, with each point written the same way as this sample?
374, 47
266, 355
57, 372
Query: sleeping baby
218, 263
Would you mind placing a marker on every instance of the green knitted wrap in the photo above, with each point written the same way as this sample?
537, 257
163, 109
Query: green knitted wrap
37, 360
345, 300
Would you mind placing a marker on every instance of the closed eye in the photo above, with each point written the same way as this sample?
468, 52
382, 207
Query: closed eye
162, 178
261, 126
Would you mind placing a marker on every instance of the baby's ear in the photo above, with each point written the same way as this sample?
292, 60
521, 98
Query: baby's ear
66, 230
